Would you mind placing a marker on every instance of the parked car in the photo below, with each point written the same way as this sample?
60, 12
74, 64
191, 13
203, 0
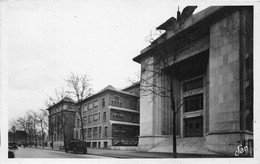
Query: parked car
76, 146
10, 154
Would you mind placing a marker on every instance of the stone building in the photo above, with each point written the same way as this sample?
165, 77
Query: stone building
210, 58
61, 122
110, 118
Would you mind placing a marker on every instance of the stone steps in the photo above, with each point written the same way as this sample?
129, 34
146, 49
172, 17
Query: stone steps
193, 145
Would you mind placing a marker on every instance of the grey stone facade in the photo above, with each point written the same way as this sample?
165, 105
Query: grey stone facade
216, 46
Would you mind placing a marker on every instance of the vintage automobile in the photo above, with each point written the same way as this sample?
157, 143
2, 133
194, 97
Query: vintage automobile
10, 153
76, 146
11, 147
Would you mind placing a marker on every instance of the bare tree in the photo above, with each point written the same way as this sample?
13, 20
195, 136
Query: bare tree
80, 88
23, 125
33, 122
154, 34
43, 118
58, 96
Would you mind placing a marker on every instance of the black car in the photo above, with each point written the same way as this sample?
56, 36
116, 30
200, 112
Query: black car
10, 154
76, 146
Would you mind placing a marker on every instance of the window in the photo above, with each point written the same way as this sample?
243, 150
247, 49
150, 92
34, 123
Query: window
119, 131
78, 122
89, 132
103, 102
116, 99
193, 127
65, 106
116, 102
118, 116
95, 103
95, 132
85, 120
105, 144
193, 103
85, 108
106, 131
193, 84
95, 117
100, 129
90, 106
70, 106
104, 117
89, 118
134, 118
131, 104
85, 131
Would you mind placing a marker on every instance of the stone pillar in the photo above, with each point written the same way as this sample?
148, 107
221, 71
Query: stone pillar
150, 109
224, 99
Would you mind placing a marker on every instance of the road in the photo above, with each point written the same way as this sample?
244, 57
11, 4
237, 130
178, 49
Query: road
100, 153
40, 153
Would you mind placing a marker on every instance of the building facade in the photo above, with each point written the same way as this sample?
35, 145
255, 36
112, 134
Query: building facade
210, 59
111, 118
61, 122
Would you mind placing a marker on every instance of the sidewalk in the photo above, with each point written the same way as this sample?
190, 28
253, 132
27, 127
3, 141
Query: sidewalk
135, 154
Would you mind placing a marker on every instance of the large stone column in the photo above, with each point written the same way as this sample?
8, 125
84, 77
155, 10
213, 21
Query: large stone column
150, 109
224, 92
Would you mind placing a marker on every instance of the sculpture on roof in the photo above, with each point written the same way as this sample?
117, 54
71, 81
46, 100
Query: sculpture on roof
173, 23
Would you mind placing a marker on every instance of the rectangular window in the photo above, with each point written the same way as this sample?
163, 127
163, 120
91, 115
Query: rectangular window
193, 84
100, 128
85, 120
90, 106
131, 104
95, 132
117, 116
70, 106
105, 131
95, 103
85, 131
89, 118
134, 118
104, 117
65, 106
85, 108
78, 122
193, 103
95, 117
89, 132
103, 102
193, 127
116, 99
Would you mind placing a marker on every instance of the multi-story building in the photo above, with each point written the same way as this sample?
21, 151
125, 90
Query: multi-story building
210, 58
110, 118
61, 122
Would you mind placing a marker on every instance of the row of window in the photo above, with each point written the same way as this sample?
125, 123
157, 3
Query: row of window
193, 101
96, 132
116, 102
121, 116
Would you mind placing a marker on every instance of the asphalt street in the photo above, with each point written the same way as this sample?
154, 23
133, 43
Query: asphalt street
40, 153
99, 153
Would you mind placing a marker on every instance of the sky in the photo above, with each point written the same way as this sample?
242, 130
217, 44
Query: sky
45, 41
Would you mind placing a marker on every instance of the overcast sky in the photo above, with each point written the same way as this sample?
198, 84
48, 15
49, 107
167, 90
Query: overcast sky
44, 41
